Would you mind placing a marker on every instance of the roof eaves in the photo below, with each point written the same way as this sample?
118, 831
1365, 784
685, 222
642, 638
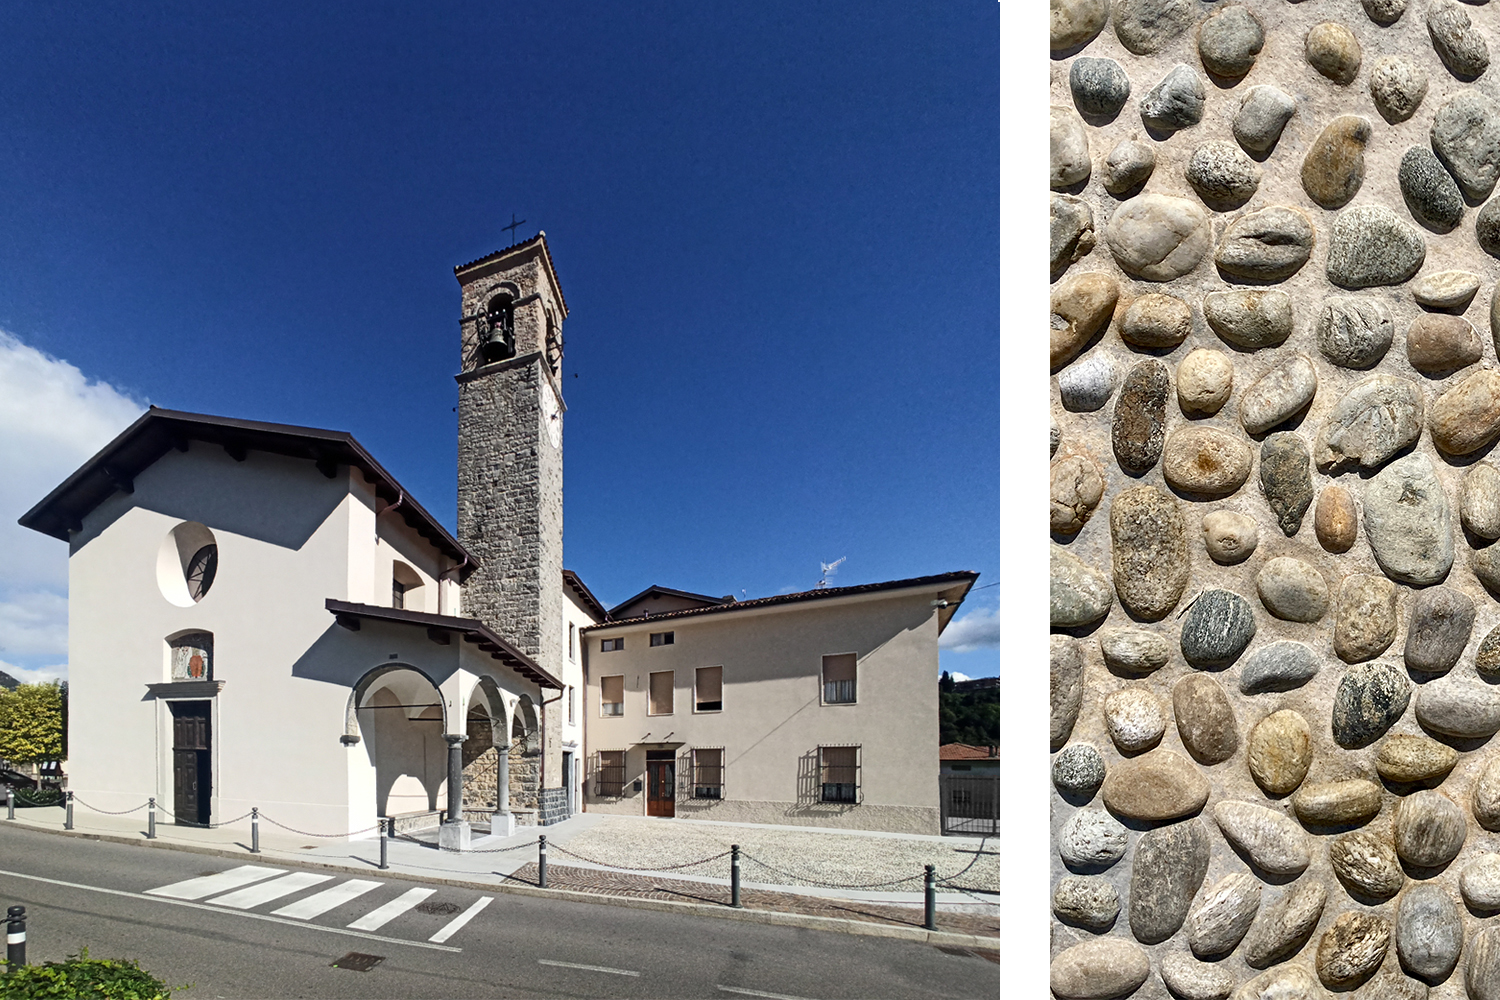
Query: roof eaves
546, 256
687, 594
574, 583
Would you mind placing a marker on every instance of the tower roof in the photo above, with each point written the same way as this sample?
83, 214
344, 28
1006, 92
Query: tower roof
493, 262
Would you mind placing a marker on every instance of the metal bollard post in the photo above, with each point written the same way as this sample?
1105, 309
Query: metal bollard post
15, 938
384, 827
151, 818
254, 829
68, 820
10, 803
541, 862
929, 908
734, 877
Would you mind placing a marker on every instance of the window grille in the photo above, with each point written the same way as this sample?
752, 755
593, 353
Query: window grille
610, 775
839, 675
612, 695
708, 774
839, 767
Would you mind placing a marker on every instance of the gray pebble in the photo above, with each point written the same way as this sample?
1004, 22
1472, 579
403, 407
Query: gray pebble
1466, 417
1229, 536
1204, 381
1487, 231
1366, 862
1460, 706
1384, 12
1216, 629
1077, 488
1091, 838
1128, 166
1355, 331
1067, 686
1078, 769
1222, 174
1072, 231
1486, 797
1459, 44
1229, 39
1099, 967
1268, 245
1070, 149
1273, 841
1264, 112
1333, 51
1364, 618
1140, 416
1352, 949
1250, 319
1371, 245
1285, 924
1205, 719
1446, 289
1480, 882
1438, 343
1087, 901
1292, 590
1135, 719
1487, 657
1146, 26
1076, 22
1479, 500
1279, 394
1134, 650
1218, 923
1081, 595
1430, 191
1176, 102
1281, 666
1466, 137
1204, 461
1369, 700
1397, 84
1438, 630
1429, 827
1191, 979
1087, 385
1286, 480
1159, 237
1373, 421
1486, 566
1408, 522
1149, 551
1056, 437
1155, 787
1166, 873
1100, 86
1429, 932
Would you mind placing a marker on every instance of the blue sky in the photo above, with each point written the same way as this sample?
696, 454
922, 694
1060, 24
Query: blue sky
775, 225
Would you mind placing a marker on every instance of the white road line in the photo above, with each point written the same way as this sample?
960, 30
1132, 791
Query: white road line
587, 968
238, 913
252, 896
379, 917
320, 903
208, 885
758, 993
456, 924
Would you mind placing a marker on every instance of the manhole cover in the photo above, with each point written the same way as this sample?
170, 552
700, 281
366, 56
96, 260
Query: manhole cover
437, 909
358, 961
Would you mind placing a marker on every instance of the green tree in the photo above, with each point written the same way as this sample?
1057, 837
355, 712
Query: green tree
971, 717
32, 722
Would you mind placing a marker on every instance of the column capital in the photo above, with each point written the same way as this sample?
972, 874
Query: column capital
454, 739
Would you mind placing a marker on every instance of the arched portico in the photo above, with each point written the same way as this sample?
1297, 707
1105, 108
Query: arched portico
398, 713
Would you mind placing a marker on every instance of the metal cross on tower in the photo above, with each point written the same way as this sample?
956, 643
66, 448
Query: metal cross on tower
513, 225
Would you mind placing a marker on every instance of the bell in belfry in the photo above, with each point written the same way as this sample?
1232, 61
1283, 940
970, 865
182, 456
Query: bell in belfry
497, 330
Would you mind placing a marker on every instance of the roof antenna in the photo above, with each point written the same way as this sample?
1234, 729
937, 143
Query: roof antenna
829, 569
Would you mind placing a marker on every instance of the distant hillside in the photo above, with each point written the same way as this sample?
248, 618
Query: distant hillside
8, 682
967, 716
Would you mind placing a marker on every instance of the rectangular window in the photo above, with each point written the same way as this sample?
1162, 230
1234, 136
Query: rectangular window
572, 636
612, 695
572, 713
611, 773
663, 638
708, 689
398, 594
610, 645
839, 767
838, 679
661, 692
708, 774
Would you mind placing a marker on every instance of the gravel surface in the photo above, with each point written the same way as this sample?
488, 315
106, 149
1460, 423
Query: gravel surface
797, 857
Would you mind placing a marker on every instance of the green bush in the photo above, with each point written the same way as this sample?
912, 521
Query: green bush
41, 797
83, 978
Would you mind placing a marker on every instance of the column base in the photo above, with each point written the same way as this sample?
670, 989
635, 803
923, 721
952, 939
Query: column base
454, 835
502, 824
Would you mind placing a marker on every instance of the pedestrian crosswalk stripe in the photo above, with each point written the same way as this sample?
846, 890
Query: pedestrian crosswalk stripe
208, 885
456, 924
254, 895
379, 917
320, 903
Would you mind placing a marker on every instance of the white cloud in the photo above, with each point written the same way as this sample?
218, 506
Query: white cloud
37, 675
979, 629
955, 675
52, 420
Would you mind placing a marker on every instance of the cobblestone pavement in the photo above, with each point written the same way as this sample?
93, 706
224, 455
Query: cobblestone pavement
676, 890
788, 857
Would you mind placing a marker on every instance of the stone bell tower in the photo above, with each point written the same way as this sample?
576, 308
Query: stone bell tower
510, 511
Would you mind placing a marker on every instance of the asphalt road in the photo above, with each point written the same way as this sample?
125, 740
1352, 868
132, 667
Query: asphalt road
224, 935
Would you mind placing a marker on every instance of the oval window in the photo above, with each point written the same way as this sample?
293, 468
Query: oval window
187, 563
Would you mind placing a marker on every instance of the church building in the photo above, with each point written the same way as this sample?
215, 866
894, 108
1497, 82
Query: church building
260, 615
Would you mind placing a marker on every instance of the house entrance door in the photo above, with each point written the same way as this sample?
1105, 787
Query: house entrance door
661, 784
190, 761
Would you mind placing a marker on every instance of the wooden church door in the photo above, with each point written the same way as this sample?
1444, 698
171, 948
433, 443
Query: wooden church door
190, 761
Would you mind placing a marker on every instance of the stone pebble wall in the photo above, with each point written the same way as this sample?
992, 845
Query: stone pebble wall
1275, 393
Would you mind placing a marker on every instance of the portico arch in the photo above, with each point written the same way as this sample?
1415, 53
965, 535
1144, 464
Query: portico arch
397, 711
484, 751
525, 755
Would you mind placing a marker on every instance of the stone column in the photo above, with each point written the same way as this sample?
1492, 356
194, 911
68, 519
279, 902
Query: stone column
455, 833
503, 821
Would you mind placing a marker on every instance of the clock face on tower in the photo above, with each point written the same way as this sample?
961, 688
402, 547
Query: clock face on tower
552, 416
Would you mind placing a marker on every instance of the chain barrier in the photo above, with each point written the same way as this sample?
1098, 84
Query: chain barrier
454, 850
304, 833
666, 868
106, 812
830, 885
194, 823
